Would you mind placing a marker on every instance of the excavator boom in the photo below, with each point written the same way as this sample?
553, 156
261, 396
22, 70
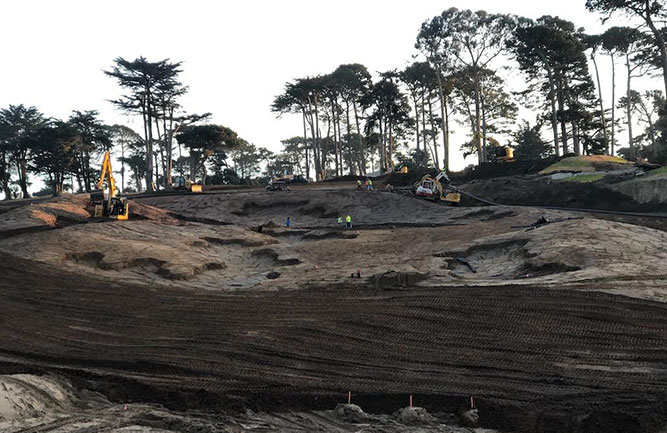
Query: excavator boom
112, 206
106, 172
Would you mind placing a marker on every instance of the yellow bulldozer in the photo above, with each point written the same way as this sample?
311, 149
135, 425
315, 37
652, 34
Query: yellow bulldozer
107, 203
180, 183
498, 153
432, 188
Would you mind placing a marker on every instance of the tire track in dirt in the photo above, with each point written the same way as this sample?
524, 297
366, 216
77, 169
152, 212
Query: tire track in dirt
566, 352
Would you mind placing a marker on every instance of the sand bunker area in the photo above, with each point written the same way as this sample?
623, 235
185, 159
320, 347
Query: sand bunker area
205, 313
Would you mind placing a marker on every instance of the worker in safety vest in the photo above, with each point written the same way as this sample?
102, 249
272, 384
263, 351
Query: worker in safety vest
370, 185
339, 221
348, 221
358, 184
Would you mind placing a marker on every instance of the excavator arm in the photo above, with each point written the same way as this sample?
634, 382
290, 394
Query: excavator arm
106, 172
113, 206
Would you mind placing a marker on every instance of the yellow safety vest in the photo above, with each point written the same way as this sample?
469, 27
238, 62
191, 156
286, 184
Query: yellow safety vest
348, 219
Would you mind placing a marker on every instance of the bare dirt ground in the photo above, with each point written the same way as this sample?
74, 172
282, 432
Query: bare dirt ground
205, 313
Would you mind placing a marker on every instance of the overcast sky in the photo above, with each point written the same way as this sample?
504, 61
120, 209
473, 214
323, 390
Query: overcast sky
236, 55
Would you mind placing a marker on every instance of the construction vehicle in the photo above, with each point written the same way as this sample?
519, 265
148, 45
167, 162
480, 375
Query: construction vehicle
432, 189
290, 178
180, 183
107, 203
277, 185
498, 153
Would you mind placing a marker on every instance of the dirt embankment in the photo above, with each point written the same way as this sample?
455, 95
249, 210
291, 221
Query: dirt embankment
629, 196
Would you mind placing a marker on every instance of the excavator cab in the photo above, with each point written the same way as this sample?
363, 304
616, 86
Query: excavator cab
180, 183
107, 203
436, 189
500, 154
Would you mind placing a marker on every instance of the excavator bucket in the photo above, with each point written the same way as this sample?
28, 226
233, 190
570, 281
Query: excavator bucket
453, 197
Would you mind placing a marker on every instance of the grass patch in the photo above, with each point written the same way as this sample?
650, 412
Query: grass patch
584, 178
662, 171
584, 163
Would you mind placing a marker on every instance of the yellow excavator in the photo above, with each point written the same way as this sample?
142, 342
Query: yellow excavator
432, 189
107, 203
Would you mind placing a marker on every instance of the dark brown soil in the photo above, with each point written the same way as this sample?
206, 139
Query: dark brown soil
535, 359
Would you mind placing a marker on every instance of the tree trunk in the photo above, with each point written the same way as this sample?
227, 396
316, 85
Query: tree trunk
305, 141
122, 166
483, 131
435, 147
602, 114
481, 157
349, 136
423, 104
169, 149
554, 113
561, 109
445, 135
316, 155
335, 138
651, 130
415, 100
5, 176
660, 40
148, 134
445, 124
628, 107
78, 181
318, 139
390, 149
613, 105
159, 163
383, 164
23, 177
193, 164
356, 120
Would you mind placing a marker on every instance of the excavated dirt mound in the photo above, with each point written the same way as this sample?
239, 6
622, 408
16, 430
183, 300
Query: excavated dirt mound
651, 191
414, 415
215, 257
25, 396
588, 163
44, 215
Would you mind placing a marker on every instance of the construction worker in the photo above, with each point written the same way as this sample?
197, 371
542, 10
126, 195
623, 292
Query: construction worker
348, 222
287, 222
358, 184
339, 221
370, 185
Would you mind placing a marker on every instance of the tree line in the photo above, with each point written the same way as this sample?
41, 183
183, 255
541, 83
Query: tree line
355, 123
66, 153
352, 123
